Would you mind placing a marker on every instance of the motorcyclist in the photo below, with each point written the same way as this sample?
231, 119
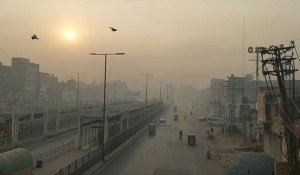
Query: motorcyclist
180, 134
208, 152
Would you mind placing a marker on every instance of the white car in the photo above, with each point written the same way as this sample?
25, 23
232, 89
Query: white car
163, 119
202, 119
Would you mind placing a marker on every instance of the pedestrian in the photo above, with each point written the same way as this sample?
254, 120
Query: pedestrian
211, 130
207, 132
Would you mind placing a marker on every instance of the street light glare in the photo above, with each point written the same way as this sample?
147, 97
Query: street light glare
93, 53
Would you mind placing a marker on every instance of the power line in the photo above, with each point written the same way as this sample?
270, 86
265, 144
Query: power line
281, 61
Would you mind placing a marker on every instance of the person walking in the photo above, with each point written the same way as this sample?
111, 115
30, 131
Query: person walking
211, 130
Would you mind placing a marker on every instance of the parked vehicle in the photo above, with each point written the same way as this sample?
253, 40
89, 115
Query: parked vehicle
176, 116
163, 119
202, 119
215, 121
191, 139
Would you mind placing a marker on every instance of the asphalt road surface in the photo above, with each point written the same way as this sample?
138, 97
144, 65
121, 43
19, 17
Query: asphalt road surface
165, 154
47, 144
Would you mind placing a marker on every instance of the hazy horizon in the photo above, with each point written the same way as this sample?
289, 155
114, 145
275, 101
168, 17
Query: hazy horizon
182, 42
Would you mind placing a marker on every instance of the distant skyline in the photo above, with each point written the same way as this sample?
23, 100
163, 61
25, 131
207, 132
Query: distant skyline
183, 42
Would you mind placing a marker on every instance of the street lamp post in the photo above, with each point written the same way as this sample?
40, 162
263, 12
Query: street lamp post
147, 77
77, 106
160, 82
104, 96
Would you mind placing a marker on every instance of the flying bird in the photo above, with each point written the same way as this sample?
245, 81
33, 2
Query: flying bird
33, 37
113, 29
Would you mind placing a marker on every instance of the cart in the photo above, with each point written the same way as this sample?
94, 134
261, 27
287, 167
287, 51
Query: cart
151, 129
176, 116
191, 139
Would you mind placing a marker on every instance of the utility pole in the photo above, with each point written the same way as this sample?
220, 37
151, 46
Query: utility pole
242, 112
231, 89
115, 90
160, 82
77, 107
231, 84
147, 77
280, 63
168, 90
133, 92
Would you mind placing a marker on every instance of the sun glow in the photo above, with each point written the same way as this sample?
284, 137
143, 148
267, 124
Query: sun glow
69, 35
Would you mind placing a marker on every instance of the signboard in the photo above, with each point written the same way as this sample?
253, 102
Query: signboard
281, 168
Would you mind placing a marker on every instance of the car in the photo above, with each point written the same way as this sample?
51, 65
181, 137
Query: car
202, 119
163, 119
215, 121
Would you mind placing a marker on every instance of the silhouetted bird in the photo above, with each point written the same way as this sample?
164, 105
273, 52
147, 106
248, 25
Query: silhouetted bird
113, 29
33, 37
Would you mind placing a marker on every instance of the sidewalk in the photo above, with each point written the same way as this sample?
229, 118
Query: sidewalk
51, 167
226, 149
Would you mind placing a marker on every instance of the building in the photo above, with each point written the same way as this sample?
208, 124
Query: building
54, 90
25, 80
272, 124
5, 85
216, 86
117, 90
43, 84
69, 94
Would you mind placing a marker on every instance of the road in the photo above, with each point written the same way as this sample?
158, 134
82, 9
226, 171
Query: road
47, 144
165, 154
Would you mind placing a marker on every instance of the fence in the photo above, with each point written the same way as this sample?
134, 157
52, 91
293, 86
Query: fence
55, 152
80, 165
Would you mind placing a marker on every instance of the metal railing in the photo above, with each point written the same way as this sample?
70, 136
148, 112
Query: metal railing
5, 141
55, 152
81, 164
78, 166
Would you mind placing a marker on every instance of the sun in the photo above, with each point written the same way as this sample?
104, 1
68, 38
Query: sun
69, 35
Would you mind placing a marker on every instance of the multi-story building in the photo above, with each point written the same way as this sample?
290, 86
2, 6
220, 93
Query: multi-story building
25, 80
216, 87
43, 84
54, 90
117, 90
5, 84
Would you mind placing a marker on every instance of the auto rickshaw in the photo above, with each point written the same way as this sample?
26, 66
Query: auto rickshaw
176, 116
191, 139
151, 129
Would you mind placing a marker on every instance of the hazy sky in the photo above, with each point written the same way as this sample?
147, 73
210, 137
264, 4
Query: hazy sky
185, 42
